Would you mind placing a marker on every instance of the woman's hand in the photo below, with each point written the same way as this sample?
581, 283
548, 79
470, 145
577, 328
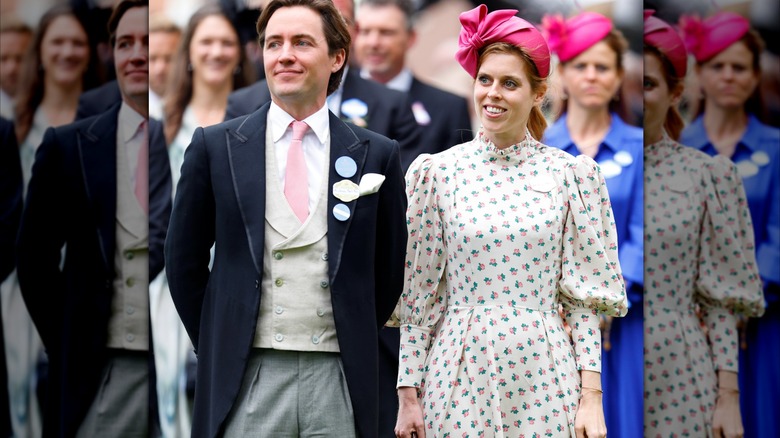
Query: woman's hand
727, 418
410, 416
589, 422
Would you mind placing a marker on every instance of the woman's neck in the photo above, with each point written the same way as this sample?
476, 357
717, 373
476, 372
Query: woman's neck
588, 128
724, 127
60, 103
210, 102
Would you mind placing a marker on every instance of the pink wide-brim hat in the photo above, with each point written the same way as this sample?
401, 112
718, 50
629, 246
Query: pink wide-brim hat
662, 36
480, 29
706, 38
569, 38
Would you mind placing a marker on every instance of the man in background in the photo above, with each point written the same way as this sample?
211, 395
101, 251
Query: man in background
385, 32
15, 37
164, 36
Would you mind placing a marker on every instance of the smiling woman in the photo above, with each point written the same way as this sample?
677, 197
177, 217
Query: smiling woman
208, 66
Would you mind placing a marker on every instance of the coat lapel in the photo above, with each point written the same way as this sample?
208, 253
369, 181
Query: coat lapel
246, 152
343, 142
97, 151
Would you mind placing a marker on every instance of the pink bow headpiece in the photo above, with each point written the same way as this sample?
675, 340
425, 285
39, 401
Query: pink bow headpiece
706, 38
569, 38
480, 29
661, 35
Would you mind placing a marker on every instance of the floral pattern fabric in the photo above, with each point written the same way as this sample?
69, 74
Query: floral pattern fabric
700, 272
499, 240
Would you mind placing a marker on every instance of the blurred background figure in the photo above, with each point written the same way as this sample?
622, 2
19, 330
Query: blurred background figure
385, 32
728, 122
590, 71
164, 36
58, 65
696, 217
208, 64
15, 36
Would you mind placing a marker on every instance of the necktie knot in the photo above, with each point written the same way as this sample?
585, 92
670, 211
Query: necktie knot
299, 129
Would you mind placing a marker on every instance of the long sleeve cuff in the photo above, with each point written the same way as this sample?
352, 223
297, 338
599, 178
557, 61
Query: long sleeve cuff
415, 341
722, 328
586, 335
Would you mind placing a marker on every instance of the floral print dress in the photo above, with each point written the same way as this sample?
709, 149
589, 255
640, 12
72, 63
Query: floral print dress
699, 257
498, 241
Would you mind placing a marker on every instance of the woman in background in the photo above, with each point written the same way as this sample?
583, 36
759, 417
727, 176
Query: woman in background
208, 66
58, 67
696, 221
503, 230
728, 123
591, 52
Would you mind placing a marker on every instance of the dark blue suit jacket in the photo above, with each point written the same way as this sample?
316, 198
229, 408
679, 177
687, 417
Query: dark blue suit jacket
11, 187
221, 197
71, 201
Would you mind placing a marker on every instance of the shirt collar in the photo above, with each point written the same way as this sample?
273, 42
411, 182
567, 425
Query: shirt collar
562, 136
696, 134
128, 121
401, 82
279, 120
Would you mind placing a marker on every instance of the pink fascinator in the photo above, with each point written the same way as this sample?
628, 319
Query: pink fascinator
480, 29
569, 38
662, 36
706, 38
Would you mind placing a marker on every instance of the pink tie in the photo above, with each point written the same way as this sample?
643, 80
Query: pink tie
296, 182
142, 170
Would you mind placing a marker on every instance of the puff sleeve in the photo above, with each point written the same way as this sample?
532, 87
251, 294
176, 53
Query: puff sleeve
423, 301
591, 280
728, 282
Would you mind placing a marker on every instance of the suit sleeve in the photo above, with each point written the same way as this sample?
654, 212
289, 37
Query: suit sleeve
391, 238
190, 236
40, 241
160, 197
10, 197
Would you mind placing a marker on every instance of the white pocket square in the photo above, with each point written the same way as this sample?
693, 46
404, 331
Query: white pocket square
370, 183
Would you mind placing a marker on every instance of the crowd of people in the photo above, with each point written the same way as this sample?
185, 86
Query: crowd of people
270, 222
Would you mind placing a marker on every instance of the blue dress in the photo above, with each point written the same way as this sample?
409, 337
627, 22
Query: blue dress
757, 157
620, 157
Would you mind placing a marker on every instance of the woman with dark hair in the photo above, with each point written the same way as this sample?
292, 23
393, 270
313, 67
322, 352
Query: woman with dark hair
730, 121
591, 52
502, 231
58, 66
208, 66
699, 262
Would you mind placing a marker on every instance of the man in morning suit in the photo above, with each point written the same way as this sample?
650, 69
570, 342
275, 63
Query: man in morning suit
385, 33
91, 193
307, 215
388, 112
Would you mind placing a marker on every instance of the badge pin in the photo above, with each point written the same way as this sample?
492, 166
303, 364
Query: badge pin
610, 169
421, 114
760, 157
341, 212
345, 190
747, 169
623, 158
346, 167
352, 108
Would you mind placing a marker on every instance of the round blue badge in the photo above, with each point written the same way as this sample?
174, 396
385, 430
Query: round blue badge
346, 167
341, 212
